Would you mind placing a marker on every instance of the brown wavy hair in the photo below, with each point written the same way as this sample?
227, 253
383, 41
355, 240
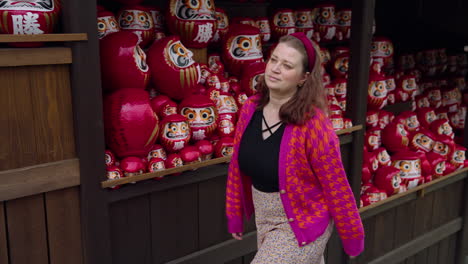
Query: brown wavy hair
301, 106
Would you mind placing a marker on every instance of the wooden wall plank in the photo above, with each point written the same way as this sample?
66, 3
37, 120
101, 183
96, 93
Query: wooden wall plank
212, 216
236, 261
37, 179
64, 226
444, 250
130, 231
52, 110
423, 222
384, 232
451, 258
174, 221
18, 148
248, 258
27, 230
404, 222
33, 56
334, 245
410, 260
369, 229
433, 254
44, 37
3, 236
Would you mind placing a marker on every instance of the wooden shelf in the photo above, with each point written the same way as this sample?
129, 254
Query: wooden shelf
344, 139
129, 191
39, 179
412, 194
151, 175
349, 130
6, 38
12, 57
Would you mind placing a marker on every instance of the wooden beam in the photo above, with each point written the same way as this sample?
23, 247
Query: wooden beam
6, 38
416, 245
39, 179
344, 139
3, 235
349, 130
166, 183
222, 252
412, 194
38, 56
88, 124
361, 36
159, 174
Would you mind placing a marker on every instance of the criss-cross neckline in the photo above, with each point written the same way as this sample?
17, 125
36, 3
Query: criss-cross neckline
268, 127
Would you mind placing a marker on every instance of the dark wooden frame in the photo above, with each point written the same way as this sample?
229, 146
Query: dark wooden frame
89, 136
95, 201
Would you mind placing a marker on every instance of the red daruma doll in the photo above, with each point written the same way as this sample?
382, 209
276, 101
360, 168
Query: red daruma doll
343, 24
28, 17
194, 21
222, 25
130, 124
106, 24
409, 164
283, 23
325, 28
174, 72
241, 47
251, 76
305, 21
123, 62
138, 20
175, 133
201, 114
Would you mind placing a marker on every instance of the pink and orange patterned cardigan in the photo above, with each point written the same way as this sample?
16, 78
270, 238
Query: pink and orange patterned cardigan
312, 181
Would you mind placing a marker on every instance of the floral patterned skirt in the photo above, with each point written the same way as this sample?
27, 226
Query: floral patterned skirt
275, 239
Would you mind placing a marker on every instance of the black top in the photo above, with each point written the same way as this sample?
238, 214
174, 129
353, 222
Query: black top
258, 158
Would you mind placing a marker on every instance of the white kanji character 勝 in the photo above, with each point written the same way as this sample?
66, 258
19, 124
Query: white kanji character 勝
179, 145
205, 32
26, 24
199, 134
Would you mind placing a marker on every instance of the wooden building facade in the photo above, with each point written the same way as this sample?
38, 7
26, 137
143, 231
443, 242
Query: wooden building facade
54, 209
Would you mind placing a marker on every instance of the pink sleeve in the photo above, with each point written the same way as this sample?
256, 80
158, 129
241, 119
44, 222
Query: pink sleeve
234, 188
325, 160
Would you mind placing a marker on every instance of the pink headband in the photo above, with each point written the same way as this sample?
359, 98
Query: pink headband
308, 47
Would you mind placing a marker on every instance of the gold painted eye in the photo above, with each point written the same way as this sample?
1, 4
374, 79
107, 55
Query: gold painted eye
405, 166
205, 113
325, 14
101, 26
189, 113
244, 43
129, 17
194, 4
142, 17
179, 49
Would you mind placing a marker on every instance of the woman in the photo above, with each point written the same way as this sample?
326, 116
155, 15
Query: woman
287, 165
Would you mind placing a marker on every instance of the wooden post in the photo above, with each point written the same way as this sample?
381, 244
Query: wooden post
462, 246
80, 17
200, 55
361, 37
